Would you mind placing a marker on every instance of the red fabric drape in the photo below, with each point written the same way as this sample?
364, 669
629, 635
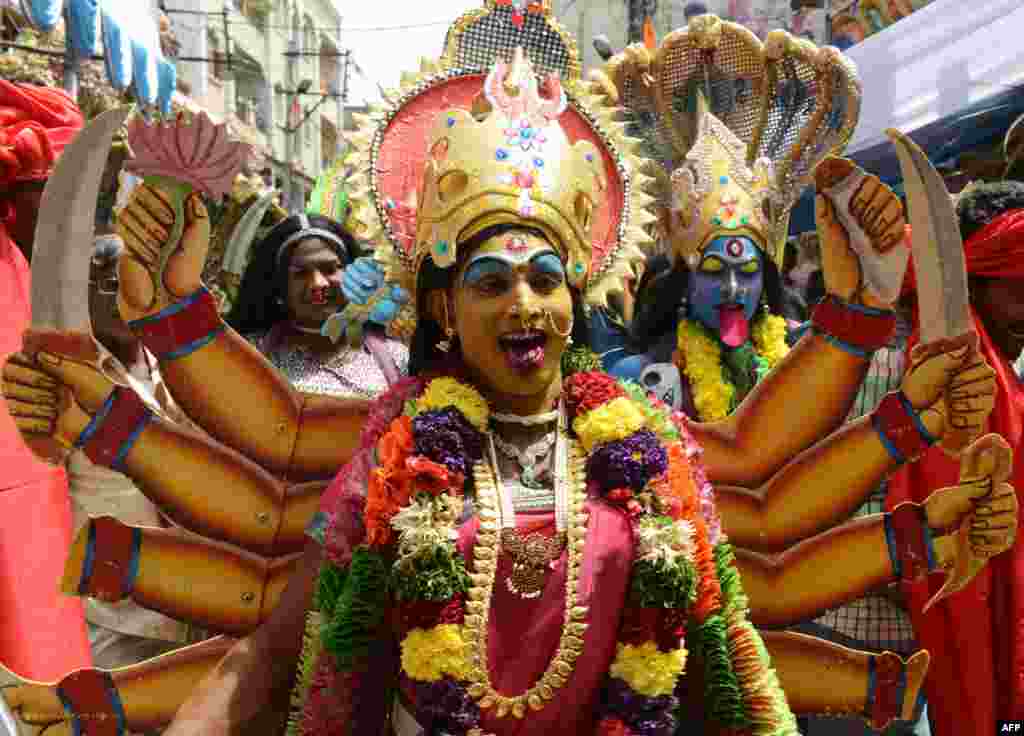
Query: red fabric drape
42, 633
976, 636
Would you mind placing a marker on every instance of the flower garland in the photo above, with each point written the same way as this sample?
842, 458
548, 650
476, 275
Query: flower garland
638, 458
700, 357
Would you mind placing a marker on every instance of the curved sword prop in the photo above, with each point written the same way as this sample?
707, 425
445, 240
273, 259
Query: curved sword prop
937, 247
66, 225
945, 317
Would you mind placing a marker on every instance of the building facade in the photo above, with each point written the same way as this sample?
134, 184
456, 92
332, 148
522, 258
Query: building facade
275, 71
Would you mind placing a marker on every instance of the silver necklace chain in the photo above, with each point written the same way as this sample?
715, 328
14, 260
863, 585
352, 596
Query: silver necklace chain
528, 420
527, 458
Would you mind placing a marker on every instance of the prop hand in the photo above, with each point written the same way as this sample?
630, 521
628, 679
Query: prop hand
361, 279
954, 391
159, 268
53, 388
860, 223
39, 709
979, 515
370, 299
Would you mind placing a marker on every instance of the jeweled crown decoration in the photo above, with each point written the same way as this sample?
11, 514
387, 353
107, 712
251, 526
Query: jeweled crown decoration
715, 193
515, 163
788, 102
479, 37
460, 146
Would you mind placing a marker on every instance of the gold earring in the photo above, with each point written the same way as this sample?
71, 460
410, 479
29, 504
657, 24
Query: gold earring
449, 334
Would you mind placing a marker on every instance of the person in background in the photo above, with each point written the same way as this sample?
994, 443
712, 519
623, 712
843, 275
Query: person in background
36, 123
292, 285
978, 629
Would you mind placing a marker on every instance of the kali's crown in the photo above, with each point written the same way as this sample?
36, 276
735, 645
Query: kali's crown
787, 102
510, 161
715, 193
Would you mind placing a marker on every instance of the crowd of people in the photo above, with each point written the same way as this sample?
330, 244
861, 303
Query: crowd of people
551, 449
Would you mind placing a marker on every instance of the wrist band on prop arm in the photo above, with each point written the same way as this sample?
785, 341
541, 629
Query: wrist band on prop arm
900, 428
856, 329
90, 697
910, 542
887, 687
182, 328
113, 430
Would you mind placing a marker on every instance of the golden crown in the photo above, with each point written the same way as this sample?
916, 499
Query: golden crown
456, 150
715, 193
787, 102
513, 164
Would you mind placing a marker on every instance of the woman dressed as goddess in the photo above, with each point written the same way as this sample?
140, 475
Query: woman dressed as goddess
519, 544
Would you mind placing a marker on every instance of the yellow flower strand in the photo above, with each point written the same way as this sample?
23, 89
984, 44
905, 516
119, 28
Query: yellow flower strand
712, 393
702, 366
442, 393
647, 670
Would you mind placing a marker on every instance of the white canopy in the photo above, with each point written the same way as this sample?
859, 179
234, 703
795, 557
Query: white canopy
947, 56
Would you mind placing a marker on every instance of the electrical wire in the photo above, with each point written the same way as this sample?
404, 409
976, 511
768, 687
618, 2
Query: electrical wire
238, 18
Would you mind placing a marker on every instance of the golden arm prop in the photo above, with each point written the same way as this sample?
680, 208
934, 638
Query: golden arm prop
818, 676
226, 386
730, 438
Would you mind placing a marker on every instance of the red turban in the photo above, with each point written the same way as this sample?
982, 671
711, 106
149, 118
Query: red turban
976, 636
36, 123
42, 633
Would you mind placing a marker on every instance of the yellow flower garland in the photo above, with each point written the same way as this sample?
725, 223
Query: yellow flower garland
647, 670
610, 422
430, 654
701, 357
442, 393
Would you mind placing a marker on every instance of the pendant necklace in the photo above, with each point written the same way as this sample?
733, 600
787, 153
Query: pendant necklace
497, 516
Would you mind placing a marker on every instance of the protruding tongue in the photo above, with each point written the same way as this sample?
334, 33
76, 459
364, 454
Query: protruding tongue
733, 326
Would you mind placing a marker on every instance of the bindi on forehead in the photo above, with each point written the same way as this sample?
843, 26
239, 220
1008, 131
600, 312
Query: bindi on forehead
517, 244
733, 249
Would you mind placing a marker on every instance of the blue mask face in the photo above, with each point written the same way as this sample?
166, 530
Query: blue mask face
726, 287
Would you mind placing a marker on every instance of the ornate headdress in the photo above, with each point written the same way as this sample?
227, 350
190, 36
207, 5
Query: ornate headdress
481, 138
737, 162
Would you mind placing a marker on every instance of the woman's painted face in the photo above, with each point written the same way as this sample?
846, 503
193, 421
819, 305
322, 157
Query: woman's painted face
726, 286
314, 283
512, 308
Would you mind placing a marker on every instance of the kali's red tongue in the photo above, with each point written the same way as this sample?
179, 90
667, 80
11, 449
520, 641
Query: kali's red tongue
733, 326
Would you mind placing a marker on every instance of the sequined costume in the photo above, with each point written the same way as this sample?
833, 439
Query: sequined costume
347, 372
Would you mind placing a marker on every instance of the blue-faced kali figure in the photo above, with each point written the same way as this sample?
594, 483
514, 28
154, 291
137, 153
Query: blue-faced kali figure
706, 327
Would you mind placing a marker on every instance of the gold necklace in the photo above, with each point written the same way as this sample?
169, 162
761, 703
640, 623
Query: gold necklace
496, 515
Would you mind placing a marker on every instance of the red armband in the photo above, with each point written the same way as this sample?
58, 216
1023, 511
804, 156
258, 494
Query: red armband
114, 428
853, 328
888, 682
91, 699
111, 560
909, 541
182, 328
900, 428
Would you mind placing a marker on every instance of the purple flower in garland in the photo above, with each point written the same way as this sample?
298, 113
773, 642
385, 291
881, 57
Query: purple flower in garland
445, 707
643, 715
447, 438
628, 463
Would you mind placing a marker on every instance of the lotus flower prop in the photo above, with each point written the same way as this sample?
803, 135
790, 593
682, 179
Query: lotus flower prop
182, 156
195, 152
